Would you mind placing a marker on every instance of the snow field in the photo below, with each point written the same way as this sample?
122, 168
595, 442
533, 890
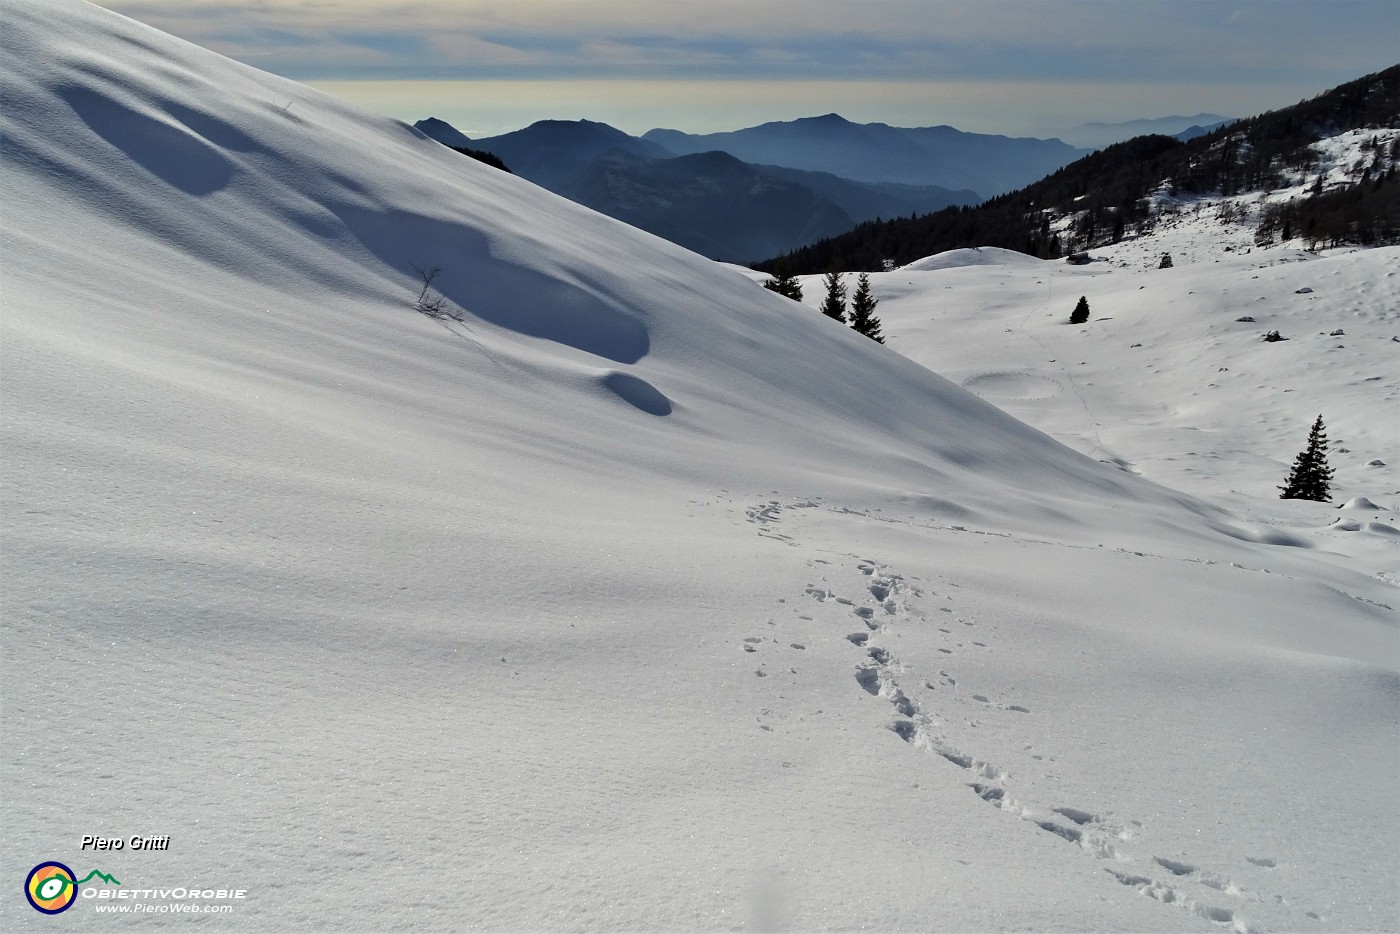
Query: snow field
638, 598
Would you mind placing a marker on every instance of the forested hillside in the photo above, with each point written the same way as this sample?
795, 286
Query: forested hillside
1109, 194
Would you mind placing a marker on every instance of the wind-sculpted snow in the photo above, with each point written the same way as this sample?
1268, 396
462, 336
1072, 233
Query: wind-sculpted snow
621, 594
278, 188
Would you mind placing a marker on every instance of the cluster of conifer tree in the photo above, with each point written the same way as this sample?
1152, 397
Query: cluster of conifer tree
481, 155
1108, 190
862, 305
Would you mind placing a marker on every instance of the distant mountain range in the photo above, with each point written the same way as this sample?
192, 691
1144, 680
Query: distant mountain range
1099, 135
876, 152
771, 189
707, 200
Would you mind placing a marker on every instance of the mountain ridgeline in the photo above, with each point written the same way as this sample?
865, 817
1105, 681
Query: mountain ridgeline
714, 199
1099, 135
1109, 194
877, 152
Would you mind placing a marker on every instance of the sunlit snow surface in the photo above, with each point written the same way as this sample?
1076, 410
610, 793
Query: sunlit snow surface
640, 598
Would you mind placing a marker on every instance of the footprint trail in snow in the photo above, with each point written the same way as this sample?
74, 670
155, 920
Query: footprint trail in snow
879, 600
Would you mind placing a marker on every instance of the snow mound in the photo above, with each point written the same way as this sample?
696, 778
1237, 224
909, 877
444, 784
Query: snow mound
1341, 524
1361, 503
976, 256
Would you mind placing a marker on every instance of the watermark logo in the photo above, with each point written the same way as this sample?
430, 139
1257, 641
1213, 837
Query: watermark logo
51, 887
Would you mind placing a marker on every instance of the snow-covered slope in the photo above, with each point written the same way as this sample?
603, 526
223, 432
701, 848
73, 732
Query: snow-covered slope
637, 598
1171, 378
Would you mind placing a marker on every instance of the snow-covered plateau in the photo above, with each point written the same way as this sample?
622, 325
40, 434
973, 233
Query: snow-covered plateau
627, 595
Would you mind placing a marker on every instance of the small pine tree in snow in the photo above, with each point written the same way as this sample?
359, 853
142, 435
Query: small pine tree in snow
785, 283
863, 311
834, 305
1081, 311
1310, 478
1166, 262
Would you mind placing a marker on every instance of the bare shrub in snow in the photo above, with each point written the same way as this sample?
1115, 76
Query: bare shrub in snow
430, 302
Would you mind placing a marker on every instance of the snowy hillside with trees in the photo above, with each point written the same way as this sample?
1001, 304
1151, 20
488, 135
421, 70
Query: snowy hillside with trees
1286, 159
585, 585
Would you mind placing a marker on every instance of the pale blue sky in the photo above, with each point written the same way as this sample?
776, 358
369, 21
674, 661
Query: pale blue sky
1022, 67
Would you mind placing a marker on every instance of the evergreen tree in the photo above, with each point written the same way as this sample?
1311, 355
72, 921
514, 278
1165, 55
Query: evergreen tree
1166, 262
863, 311
1310, 478
834, 305
785, 283
1081, 311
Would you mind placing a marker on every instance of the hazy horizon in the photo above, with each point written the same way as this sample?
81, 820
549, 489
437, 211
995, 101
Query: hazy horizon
1011, 67
489, 108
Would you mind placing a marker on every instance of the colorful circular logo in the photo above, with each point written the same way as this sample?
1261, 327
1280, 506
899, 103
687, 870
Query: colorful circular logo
51, 888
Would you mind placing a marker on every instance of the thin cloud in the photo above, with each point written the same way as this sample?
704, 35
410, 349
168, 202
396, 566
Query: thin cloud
1127, 58
897, 39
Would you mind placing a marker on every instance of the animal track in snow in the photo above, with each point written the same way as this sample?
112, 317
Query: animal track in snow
868, 677
902, 703
997, 797
1174, 867
957, 758
1218, 882
977, 766
989, 792
1072, 834
879, 674
1168, 895
1079, 817
764, 512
